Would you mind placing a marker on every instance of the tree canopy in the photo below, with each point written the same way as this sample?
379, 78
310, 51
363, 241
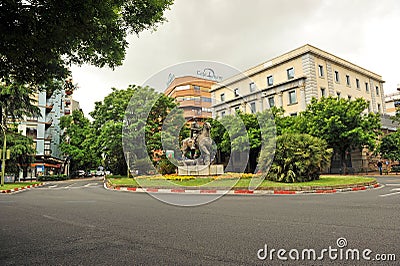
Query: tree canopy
390, 146
78, 141
40, 38
341, 123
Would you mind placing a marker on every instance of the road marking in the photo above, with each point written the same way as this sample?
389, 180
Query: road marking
80, 201
68, 222
53, 186
393, 185
390, 194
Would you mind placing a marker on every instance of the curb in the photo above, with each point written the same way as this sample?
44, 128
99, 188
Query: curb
240, 191
19, 189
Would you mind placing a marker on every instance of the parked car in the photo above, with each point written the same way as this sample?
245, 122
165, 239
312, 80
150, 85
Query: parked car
99, 173
78, 174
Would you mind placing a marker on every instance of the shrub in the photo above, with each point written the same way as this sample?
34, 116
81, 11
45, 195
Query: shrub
52, 177
165, 167
299, 158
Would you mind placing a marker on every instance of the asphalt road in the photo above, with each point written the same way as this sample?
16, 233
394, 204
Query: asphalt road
80, 223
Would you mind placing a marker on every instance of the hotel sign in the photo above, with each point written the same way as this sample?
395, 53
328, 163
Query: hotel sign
208, 73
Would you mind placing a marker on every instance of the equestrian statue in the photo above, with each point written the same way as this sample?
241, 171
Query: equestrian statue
199, 140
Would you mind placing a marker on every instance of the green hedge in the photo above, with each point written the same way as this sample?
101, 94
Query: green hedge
395, 168
52, 177
116, 176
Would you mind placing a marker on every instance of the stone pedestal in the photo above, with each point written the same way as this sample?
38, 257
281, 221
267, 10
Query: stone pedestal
201, 170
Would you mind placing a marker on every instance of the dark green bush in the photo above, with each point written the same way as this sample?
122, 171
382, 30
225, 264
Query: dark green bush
299, 158
52, 177
165, 167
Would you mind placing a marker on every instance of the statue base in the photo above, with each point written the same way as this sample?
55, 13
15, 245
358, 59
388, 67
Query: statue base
201, 170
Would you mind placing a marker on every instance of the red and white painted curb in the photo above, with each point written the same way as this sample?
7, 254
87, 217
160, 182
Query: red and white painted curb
239, 191
19, 189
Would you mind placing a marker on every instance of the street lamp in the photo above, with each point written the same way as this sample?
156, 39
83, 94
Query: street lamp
4, 156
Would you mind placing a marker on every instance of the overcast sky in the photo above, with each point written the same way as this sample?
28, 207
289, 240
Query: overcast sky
244, 33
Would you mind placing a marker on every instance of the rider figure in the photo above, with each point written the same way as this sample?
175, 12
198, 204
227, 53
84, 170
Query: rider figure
194, 130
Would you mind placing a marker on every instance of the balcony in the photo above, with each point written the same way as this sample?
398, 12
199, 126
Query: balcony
67, 111
67, 102
68, 92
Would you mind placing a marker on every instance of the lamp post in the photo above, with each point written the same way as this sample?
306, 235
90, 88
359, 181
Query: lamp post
5, 154
3, 162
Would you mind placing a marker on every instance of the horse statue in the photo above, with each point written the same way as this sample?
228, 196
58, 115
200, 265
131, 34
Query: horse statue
202, 142
188, 147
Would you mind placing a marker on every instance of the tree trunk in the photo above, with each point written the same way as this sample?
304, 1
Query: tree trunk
343, 161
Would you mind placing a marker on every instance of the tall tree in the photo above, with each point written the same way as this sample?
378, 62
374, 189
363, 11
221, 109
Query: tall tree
77, 139
153, 122
108, 116
341, 123
16, 101
22, 151
390, 146
40, 38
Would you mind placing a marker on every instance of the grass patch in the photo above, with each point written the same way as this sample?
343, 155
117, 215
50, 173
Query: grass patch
238, 182
17, 185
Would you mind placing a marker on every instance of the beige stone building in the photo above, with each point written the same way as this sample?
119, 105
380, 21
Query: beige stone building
291, 80
392, 101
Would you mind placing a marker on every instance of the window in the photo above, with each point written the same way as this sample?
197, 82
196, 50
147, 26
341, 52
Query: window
377, 90
369, 107
206, 99
206, 110
338, 95
253, 107
290, 73
270, 80
347, 80
237, 109
349, 97
337, 76
236, 92
222, 113
252, 87
323, 92
271, 101
196, 88
293, 114
366, 87
379, 107
320, 70
292, 97
222, 97
357, 83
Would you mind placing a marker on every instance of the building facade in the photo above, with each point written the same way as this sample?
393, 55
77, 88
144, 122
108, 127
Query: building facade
193, 95
46, 132
392, 102
293, 79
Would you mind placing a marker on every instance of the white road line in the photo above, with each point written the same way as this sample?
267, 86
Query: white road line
53, 186
393, 185
390, 194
